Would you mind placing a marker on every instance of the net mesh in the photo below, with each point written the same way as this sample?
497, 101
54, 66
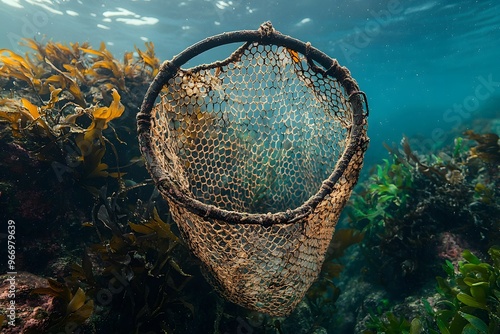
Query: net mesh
238, 141
257, 134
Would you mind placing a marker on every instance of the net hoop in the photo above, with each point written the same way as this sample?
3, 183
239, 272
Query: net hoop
265, 35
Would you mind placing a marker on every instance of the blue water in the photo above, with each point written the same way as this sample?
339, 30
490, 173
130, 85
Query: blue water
426, 66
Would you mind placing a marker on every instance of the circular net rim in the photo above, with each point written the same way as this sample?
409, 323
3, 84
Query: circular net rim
265, 35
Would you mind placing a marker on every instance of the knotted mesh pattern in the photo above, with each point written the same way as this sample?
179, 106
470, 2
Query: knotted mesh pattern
256, 155
255, 135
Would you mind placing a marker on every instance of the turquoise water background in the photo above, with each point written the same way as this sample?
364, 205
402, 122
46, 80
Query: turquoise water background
427, 66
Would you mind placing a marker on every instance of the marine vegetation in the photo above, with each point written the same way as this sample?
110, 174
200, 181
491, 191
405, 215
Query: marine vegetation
133, 271
418, 208
391, 324
138, 261
468, 301
75, 308
59, 101
72, 177
58, 113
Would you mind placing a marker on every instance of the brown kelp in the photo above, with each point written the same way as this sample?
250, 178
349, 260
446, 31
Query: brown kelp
59, 101
133, 271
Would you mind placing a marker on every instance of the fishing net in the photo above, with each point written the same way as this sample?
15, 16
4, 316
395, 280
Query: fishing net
256, 155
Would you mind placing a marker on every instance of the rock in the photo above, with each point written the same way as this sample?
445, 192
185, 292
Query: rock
300, 321
30, 312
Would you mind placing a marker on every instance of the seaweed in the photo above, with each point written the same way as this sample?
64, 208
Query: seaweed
470, 298
468, 301
391, 324
140, 258
386, 192
411, 204
487, 149
77, 307
60, 106
134, 272
62, 103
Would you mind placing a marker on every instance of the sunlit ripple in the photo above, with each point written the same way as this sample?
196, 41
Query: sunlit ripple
13, 3
48, 5
128, 17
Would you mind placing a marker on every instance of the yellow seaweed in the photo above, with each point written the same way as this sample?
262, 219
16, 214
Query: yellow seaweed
63, 78
103, 115
149, 58
32, 109
54, 97
13, 65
